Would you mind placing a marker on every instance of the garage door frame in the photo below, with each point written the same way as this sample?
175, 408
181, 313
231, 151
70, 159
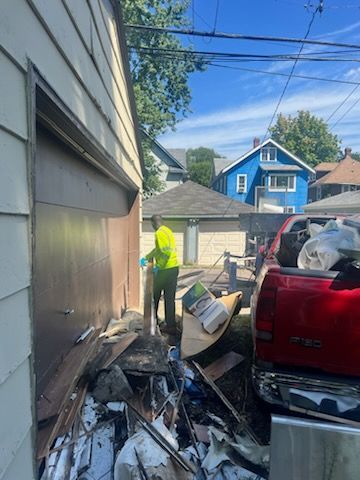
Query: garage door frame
45, 107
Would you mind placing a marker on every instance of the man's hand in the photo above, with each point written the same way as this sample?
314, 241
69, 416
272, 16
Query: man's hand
143, 262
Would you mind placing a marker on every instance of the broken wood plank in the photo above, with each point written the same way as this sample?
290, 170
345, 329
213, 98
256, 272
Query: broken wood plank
222, 365
62, 384
72, 408
202, 432
195, 339
148, 300
61, 424
240, 419
116, 349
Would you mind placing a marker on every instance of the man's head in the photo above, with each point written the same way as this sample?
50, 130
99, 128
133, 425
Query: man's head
156, 221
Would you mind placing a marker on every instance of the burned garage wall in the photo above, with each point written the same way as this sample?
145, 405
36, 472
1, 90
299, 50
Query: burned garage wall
83, 255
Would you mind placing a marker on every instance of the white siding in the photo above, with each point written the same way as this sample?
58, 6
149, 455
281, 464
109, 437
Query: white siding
19, 469
15, 417
60, 37
217, 236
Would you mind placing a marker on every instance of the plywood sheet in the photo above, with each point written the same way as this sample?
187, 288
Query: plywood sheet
195, 339
222, 365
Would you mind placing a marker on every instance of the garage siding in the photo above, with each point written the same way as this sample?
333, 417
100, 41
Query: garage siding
178, 227
217, 236
74, 46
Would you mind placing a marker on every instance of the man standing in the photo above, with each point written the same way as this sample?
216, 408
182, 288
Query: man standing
166, 271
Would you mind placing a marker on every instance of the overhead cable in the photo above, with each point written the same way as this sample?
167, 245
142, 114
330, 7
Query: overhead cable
229, 56
240, 36
291, 74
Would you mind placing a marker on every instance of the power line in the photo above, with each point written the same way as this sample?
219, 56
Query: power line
216, 14
239, 36
305, 77
342, 103
344, 114
229, 56
291, 73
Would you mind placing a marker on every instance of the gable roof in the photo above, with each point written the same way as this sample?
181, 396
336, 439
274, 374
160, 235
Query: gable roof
171, 158
179, 154
347, 171
191, 200
219, 164
339, 202
263, 144
326, 166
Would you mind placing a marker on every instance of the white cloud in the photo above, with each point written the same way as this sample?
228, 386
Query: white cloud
341, 31
231, 131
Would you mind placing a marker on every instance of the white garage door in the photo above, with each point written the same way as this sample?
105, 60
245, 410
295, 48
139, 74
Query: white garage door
217, 236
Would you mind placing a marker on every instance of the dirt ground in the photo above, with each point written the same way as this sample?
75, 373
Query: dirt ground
235, 384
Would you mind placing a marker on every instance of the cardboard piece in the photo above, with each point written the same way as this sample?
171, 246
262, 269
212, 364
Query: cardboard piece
197, 299
195, 339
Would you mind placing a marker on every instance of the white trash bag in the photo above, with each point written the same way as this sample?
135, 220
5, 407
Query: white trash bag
321, 252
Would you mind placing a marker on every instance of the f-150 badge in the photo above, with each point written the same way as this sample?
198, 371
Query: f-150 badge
306, 342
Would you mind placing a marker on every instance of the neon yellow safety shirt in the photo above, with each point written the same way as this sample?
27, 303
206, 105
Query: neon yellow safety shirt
165, 249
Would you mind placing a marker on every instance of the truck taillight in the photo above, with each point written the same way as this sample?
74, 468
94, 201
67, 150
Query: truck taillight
265, 314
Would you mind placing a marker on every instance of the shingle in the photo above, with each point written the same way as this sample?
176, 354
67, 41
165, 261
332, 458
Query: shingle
326, 166
347, 171
191, 200
345, 199
179, 154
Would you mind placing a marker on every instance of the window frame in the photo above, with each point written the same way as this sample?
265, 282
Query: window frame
286, 209
268, 156
242, 175
281, 189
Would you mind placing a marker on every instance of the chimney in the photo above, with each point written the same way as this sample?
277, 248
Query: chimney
256, 142
348, 152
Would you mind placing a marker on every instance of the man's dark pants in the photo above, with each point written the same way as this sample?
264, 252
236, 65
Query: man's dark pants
166, 281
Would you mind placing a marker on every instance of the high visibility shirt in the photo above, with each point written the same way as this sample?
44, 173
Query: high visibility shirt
164, 252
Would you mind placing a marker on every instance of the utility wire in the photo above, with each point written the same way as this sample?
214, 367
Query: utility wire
291, 73
239, 36
305, 77
344, 115
342, 103
216, 14
182, 53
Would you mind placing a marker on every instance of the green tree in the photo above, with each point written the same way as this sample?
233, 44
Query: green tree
306, 136
201, 172
201, 154
161, 87
355, 155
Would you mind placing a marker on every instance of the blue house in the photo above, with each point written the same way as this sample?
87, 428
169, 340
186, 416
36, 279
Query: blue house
268, 177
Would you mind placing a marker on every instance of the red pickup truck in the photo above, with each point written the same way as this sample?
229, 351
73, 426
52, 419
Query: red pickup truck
306, 327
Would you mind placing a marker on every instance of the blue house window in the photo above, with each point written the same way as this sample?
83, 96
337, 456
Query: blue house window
269, 154
242, 183
282, 183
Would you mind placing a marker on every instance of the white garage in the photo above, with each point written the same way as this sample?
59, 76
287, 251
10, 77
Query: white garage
205, 223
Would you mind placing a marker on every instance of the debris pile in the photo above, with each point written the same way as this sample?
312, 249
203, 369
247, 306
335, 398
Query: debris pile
131, 417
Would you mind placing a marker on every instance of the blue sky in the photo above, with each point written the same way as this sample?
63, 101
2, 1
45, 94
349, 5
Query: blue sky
230, 107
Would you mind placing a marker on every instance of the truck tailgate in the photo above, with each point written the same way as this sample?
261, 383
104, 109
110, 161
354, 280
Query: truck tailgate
316, 321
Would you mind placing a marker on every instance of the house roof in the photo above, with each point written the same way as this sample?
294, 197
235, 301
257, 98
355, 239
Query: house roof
280, 168
180, 155
339, 202
263, 144
171, 157
347, 171
326, 166
219, 164
191, 200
